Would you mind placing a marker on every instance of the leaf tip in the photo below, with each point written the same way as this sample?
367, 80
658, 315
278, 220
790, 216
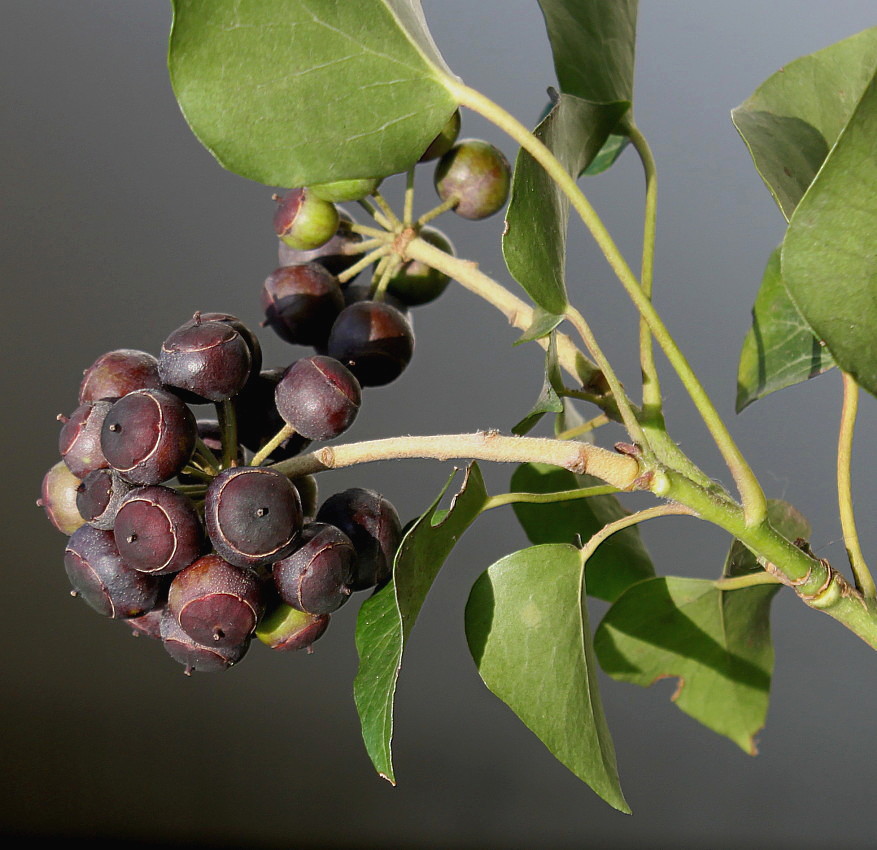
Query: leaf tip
390, 779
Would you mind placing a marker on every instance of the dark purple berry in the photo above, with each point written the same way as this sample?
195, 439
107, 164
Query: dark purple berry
334, 255
301, 303
357, 292
415, 282
118, 373
477, 175
443, 142
372, 524
209, 359
79, 440
287, 629
253, 515
58, 498
99, 495
158, 530
250, 338
258, 420
195, 657
304, 221
317, 576
100, 576
318, 397
149, 625
148, 436
373, 340
216, 603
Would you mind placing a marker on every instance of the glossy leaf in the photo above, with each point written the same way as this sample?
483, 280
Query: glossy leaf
543, 324
793, 119
612, 148
527, 628
294, 92
386, 618
593, 45
534, 241
717, 643
550, 397
780, 349
829, 255
619, 562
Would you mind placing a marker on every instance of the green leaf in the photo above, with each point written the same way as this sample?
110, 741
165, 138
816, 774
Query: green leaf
612, 148
534, 241
527, 628
294, 92
717, 643
543, 324
593, 44
829, 255
793, 119
619, 562
550, 398
780, 349
385, 619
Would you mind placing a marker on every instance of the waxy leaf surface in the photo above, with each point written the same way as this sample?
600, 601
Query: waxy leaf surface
829, 255
527, 628
534, 241
295, 92
385, 619
619, 561
717, 643
780, 349
793, 119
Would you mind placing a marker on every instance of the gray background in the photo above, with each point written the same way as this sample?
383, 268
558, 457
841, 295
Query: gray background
117, 226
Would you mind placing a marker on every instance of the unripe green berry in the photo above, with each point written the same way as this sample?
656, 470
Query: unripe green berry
477, 175
339, 191
304, 221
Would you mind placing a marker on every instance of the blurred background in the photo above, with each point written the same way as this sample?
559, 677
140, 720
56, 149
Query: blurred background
117, 226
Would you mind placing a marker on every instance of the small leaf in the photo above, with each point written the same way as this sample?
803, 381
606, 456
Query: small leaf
717, 643
527, 628
550, 400
295, 92
793, 119
593, 44
385, 619
534, 241
619, 562
612, 148
543, 324
829, 255
780, 349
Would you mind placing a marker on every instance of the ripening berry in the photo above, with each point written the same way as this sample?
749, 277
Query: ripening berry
477, 175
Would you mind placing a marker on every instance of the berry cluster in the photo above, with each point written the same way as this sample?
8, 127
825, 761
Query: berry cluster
181, 526
310, 299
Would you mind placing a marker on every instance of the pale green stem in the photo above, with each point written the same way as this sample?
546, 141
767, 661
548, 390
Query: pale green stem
387, 210
353, 248
265, 452
228, 428
546, 498
381, 219
749, 580
861, 573
408, 209
435, 212
370, 231
669, 509
379, 290
754, 501
197, 472
618, 470
206, 456
365, 262
584, 428
652, 402
577, 320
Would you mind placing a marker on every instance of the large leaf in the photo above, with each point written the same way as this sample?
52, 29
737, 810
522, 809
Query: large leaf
619, 561
829, 255
527, 628
593, 44
717, 643
793, 119
534, 240
293, 92
386, 618
780, 349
